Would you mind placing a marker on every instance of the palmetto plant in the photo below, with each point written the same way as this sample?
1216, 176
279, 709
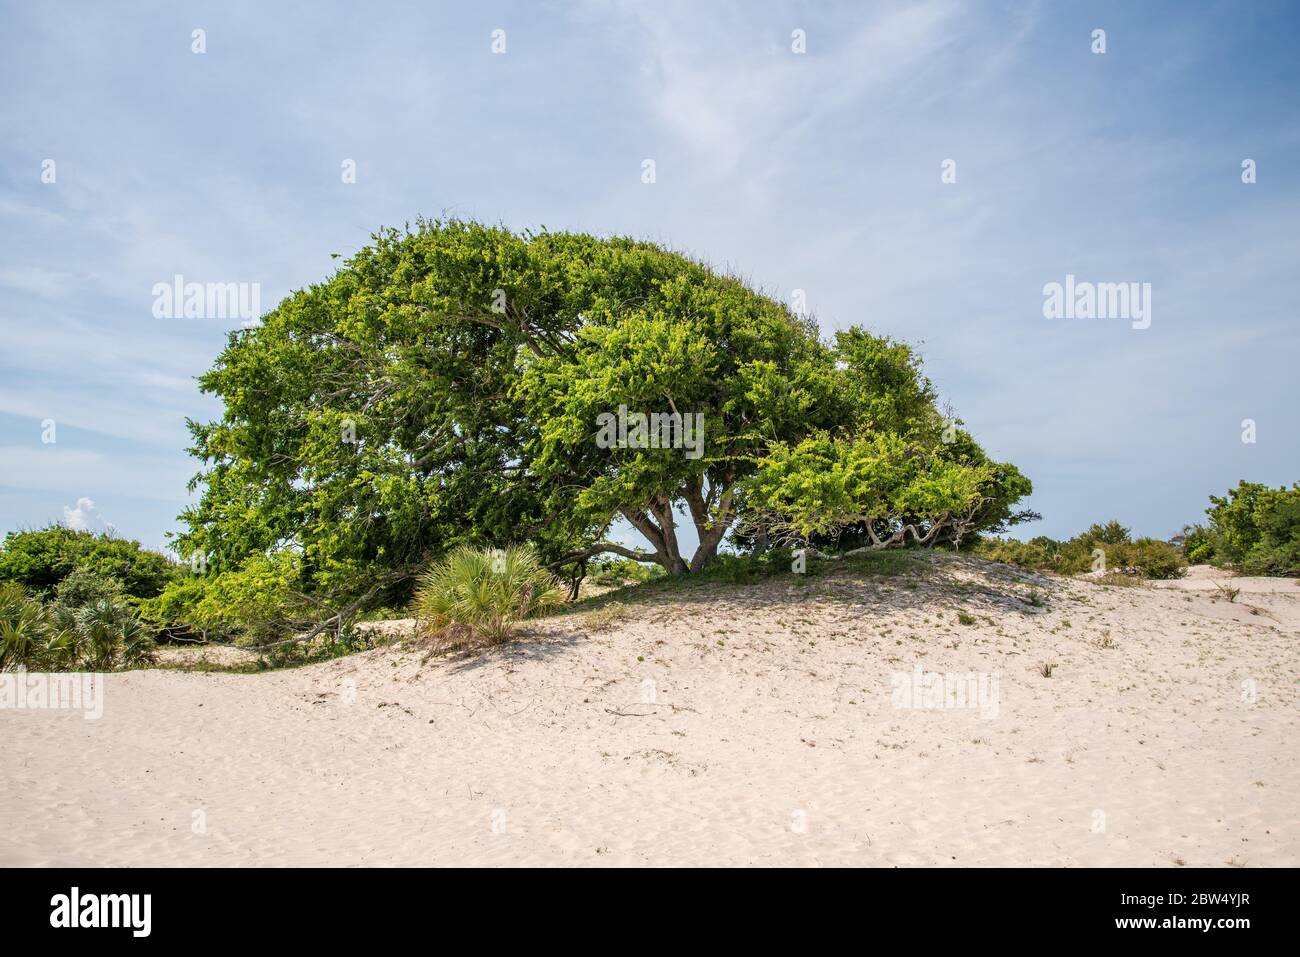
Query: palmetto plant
479, 594
109, 636
66, 641
23, 627
98, 636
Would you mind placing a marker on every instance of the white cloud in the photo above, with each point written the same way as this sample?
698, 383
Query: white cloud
85, 517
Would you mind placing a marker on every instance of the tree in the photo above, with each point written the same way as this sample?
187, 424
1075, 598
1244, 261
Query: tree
459, 384
1254, 527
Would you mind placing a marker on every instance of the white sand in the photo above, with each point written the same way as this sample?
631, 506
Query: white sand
772, 738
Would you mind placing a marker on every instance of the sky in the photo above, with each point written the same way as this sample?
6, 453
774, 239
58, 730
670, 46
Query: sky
923, 168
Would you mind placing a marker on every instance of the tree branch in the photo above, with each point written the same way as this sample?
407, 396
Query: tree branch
601, 548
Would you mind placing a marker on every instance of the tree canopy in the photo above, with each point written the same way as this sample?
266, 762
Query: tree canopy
448, 384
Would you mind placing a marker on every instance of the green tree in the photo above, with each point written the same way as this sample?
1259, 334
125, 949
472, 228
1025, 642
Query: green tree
447, 387
1253, 527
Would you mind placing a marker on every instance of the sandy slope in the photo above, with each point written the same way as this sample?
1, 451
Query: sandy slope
772, 737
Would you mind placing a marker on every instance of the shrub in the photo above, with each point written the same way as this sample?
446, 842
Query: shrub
749, 569
176, 612
85, 586
480, 594
39, 559
1112, 533
1234, 520
103, 635
1277, 551
100, 635
1198, 544
1148, 557
1227, 591
1153, 558
1033, 554
260, 602
614, 572
24, 628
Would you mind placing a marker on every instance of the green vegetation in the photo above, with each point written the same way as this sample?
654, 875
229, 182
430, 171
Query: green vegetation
436, 405
479, 595
1108, 548
69, 600
617, 572
444, 389
100, 635
1253, 528
39, 559
259, 603
1227, 591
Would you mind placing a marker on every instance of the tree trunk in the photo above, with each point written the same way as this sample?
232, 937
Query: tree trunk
711, 532
665, 555
663, 511
660, 527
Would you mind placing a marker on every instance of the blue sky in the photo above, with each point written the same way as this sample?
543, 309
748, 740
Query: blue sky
817, 171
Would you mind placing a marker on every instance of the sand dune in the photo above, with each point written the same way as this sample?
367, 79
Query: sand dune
721, 724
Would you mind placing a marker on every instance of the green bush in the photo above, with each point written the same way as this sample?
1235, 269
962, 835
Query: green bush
1147, 557
749, 569
25, 628
1112, 533
481, 594
1199, 544
1150, 556
615, 572
39, 559
1277, 551
1009, 551
260, 602
100, 635
1234, 520
85, 586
